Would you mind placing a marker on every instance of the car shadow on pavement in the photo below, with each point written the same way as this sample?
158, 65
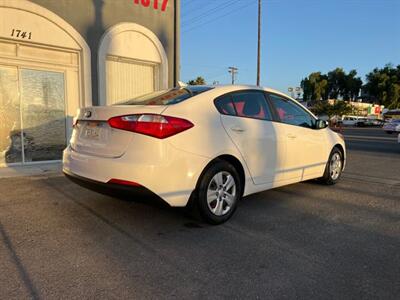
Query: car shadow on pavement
148, 202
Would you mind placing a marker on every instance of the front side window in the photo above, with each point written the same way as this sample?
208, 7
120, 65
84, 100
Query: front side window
291, 113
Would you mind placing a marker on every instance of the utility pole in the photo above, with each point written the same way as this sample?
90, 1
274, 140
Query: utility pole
259, 43
233, 71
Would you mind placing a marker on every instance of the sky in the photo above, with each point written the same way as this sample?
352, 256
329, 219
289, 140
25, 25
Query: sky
298, 37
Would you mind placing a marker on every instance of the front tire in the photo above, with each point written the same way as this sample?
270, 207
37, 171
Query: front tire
333, 168
218, 193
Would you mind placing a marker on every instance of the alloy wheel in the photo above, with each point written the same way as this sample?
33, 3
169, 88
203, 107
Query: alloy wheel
221, 193
335, 166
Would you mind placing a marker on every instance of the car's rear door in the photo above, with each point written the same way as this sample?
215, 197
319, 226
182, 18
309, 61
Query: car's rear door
306, 151
246, 117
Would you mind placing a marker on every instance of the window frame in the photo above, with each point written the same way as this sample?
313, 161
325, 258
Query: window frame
230, 95
276, 115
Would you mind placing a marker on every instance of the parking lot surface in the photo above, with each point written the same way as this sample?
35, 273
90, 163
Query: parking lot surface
59, 240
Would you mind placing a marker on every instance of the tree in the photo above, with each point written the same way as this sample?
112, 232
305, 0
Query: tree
352, 86
339, 108
383, 86
336, 83
315, 87
198, 81
342, 85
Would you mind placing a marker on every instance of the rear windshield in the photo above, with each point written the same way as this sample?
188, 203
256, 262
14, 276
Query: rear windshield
167, 97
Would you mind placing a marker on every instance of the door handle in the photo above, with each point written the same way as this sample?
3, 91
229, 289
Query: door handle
291, 136
237, 129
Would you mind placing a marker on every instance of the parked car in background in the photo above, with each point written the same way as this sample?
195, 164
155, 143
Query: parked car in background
349, 120
377, 122
392, 126
361, 121
353, 121
204, 146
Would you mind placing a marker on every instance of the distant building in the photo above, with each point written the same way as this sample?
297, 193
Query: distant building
392, 114
57, 56
363, 109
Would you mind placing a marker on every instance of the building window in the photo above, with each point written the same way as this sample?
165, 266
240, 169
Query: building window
127, 78
132, 62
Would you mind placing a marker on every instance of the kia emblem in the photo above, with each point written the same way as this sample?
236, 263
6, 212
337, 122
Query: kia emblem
88, 114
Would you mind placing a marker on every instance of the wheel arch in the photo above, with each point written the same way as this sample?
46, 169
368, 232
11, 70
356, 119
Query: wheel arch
235, 162
341, 149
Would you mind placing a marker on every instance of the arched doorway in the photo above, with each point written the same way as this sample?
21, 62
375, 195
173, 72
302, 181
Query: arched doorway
44, 78
132, 62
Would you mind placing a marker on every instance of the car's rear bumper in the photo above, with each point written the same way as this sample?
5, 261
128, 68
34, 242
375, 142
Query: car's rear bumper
169, 173
107, 188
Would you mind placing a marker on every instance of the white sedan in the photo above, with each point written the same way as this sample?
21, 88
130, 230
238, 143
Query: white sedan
206, 146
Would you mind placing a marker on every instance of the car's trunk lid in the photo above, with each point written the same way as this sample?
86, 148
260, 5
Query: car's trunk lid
92, 134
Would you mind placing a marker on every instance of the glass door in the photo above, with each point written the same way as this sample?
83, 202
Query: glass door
10, 117
43, 114
32, 115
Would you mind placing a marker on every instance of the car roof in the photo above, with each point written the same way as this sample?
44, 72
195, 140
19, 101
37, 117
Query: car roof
223, 89
235, 87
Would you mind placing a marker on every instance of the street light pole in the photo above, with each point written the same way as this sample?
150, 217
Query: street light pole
259, 43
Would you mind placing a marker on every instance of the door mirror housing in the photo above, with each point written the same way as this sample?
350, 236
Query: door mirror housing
321, 124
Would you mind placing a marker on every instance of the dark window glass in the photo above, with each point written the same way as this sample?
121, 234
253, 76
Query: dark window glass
167, 97
291, 113
251, 105
224, 105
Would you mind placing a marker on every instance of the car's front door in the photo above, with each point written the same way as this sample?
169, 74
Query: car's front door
306, 146
246, 117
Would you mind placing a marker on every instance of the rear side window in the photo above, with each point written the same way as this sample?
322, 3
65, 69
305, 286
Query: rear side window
249, 104
225, 105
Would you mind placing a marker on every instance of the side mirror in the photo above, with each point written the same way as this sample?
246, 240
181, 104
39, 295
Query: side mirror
321, 124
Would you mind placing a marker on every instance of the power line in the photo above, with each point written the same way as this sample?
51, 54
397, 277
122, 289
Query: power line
210, 11
195, 8
218, 18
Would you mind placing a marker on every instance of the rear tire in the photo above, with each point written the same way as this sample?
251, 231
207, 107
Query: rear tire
218, 193
333, 168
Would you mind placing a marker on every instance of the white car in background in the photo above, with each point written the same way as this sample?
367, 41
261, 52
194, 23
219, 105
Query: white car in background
353, 121
392, 126
203, 145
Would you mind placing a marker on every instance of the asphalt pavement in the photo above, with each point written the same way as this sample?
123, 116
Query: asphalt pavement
307, 241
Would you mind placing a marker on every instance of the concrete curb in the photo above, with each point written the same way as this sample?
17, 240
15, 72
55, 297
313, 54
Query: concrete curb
48, 169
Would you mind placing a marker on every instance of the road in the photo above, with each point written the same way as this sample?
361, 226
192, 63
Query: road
58, 240
371, 140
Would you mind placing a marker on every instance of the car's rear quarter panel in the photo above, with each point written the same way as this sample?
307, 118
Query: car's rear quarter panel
208, 137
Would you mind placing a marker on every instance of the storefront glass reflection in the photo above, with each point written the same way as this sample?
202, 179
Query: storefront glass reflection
10, 118
32, 125
43, 114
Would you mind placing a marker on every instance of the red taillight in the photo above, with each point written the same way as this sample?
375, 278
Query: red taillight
151, 124
123, 182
